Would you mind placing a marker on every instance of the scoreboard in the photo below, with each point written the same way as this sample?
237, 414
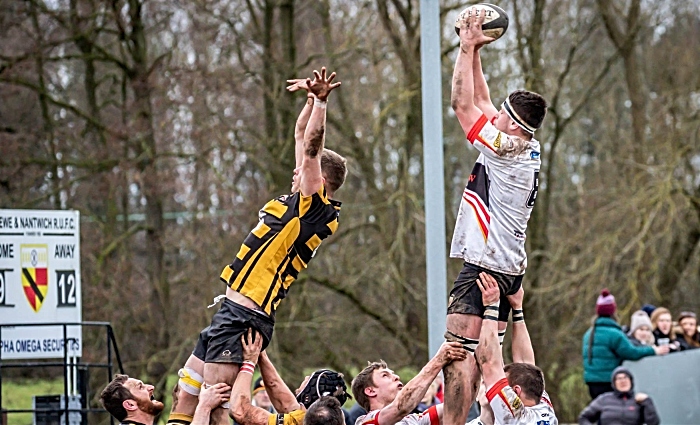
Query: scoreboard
39, 283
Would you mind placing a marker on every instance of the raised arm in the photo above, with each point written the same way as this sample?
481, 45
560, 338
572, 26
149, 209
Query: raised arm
302, 120
488, 353
242, 409
412, 393
522, 346
280, 395
310, 175
482, 96
470, 36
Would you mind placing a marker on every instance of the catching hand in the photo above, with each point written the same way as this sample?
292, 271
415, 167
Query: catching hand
213, 396
297, 84
490, 293
321, 86
470, 33
251, 347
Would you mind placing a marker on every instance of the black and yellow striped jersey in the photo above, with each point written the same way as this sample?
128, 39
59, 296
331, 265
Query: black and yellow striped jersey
288, 233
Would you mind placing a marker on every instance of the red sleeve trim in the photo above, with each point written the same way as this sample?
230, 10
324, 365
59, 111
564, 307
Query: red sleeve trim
434, 417
476, 129
374, 420
496, 388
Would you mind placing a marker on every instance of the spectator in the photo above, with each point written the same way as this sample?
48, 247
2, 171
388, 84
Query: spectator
648, 309
355, 412
621, 406
689, 337
662, 323
640, 329
605, 347
260, 397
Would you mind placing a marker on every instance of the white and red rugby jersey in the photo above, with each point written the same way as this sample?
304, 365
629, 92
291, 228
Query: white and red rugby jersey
508, 409
497, 201
429, 417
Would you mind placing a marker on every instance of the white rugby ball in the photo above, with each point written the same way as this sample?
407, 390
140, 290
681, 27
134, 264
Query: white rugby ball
496, 21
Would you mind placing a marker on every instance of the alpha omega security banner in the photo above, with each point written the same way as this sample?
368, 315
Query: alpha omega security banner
39, 283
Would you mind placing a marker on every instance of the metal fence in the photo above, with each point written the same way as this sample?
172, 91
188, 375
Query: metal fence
72, 369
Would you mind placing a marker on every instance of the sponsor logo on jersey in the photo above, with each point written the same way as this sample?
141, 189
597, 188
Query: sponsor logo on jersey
534, 155
497, 142
518, 235
516, 404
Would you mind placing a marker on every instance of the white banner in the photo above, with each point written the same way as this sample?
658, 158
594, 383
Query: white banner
39, 283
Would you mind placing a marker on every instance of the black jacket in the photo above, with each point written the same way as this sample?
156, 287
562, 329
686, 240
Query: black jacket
619, 409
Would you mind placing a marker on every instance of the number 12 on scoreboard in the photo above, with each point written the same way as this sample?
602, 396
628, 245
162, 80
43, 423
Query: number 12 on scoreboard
66, 288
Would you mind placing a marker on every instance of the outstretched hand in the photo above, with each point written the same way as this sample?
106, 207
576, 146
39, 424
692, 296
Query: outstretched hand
252, 345
490, 292
322, 86
296, 84
470, 32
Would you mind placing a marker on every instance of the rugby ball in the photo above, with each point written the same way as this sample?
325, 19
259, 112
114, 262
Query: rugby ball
496, 21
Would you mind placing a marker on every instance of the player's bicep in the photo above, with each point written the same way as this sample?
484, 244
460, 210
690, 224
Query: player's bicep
310, 176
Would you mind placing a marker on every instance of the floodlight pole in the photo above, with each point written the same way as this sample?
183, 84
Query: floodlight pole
433, 172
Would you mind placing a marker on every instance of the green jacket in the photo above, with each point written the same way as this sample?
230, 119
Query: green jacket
610, 348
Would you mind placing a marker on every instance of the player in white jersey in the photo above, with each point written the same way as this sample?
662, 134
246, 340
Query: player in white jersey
515, 392
496, 204
379, 391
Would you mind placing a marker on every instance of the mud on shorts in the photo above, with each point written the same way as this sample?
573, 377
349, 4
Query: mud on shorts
220, 342
465, 297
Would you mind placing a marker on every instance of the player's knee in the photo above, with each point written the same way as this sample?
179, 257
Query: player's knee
190, 381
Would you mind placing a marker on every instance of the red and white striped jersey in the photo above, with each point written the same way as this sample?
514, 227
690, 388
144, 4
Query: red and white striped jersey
497, 201
429, 417
508, 409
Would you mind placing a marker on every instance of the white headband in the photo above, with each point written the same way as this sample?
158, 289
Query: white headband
515, 117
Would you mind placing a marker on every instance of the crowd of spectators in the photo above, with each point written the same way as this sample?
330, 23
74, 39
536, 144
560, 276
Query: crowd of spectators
606, 344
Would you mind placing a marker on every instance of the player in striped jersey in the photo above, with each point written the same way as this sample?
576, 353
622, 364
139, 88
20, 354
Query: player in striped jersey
515, 392
490, 231
290, 229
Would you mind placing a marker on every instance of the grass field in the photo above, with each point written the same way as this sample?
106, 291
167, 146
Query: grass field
18, 393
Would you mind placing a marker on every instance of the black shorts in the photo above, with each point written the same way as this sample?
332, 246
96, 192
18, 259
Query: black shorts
220, 342
200, 350
465, 297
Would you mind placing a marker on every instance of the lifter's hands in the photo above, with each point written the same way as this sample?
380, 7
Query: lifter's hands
252, 345
490, 292
450, 352
470, 32
211, 397
322, 86
516, 300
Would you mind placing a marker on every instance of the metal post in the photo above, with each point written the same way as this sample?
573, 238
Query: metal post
65, 374
109, 362
433, 172
0, 373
